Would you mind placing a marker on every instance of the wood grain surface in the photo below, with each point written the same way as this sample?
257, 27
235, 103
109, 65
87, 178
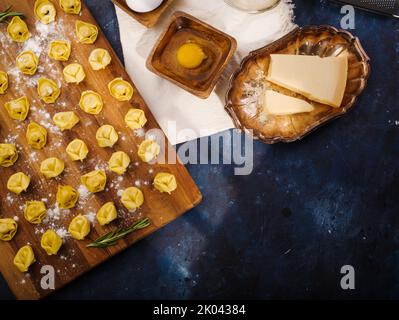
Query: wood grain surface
74, 258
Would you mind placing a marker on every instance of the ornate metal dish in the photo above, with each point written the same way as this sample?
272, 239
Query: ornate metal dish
248, 83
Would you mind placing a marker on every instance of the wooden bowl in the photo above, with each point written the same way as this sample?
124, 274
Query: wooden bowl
248, 84
148, 19
218, 46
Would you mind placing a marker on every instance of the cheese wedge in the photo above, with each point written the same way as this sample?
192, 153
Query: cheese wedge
280, 105
319, 79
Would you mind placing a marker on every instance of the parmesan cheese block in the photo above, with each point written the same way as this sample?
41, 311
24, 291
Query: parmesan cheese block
319, 79
279, 104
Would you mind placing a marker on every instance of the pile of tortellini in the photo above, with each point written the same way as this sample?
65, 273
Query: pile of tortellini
90, 102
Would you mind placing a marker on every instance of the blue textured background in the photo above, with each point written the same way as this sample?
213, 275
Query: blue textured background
307, 209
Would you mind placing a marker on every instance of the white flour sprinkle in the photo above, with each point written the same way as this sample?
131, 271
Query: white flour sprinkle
137, 183
16, 218
10, 199
33, 156
119, 193
53, 214
83, 192
62, 232
139, 132
91, 216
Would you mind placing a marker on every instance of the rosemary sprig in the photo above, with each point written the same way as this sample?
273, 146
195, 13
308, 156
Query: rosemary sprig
111, 238
4, 15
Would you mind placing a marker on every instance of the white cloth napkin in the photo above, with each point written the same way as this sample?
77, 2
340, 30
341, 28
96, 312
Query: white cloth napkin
182, 116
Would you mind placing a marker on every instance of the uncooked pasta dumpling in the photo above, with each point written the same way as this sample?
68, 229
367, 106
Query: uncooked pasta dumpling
74, 73
99, 59
106, 136
79, 227
48, 90
51, 242
77, 150
66, 197
18, 109
52, 167
27, 62
65, 120
35, 211
36, 135
59, 50
107, 213
120, 89
119, 162
71, 6
86, 32
3, 82
18, 30
45, 11
91, 102
94, 181
135, 118
132, 198
8, 229
18, 182
148, 150
165, 182
8, 154
24, 258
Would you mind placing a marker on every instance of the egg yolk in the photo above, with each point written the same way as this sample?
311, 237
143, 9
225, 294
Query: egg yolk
190, 55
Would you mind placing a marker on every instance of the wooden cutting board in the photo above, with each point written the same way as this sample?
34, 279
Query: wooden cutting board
74, 258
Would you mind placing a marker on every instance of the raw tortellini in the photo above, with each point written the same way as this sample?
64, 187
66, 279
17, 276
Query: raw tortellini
148, 150
27, 62
51, 242
8, 229
45, 11
132, 198
71, 6
94, 181
18, 109
91, 102
8, 154
107, 213
106, 136
48, 90
66, 197
3, 82
86, 32
35, 211
52, 167
66, 120
36, 135
79, 227
119, 162
135, 118
59, 50
74, 73
99, 59
77, 150
165, 182
18, 182
24, 258
18, 30
120, 89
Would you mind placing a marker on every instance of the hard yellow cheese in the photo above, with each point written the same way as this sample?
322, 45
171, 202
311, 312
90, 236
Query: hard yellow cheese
319, 79
279, 104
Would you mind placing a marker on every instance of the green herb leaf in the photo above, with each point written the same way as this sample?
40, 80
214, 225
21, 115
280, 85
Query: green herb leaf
4, 15
111, 238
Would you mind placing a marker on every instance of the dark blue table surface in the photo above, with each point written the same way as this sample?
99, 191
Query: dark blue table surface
307, 209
